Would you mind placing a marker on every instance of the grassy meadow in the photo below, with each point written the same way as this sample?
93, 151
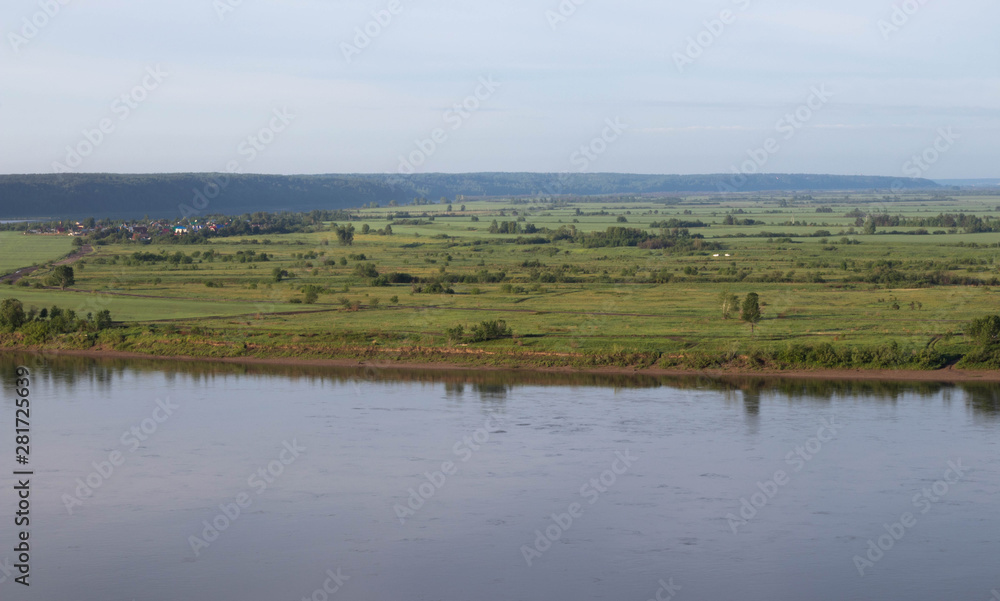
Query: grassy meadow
18, 250
821, 278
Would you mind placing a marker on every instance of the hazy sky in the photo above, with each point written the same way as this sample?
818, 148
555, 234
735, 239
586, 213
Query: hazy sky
693, 89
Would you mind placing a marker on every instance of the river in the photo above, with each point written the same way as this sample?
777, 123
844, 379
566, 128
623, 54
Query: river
165, 481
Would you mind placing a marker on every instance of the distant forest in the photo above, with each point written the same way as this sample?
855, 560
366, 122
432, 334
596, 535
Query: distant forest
192, 194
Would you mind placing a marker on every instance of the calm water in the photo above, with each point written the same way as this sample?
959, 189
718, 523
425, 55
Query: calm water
523, 449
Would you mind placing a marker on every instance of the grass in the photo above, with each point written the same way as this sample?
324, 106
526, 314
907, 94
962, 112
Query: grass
565, 302
18, 250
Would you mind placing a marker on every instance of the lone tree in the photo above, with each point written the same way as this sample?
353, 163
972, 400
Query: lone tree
751, 310
62, 276
345, 234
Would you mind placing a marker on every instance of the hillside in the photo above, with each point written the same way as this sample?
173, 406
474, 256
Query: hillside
176, 195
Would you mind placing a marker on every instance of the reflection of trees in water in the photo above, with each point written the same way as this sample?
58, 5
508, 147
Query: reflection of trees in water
492, 392
983, 399
454, 390
494, 385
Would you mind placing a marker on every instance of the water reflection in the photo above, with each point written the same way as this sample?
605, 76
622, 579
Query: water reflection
374, 432
983, 398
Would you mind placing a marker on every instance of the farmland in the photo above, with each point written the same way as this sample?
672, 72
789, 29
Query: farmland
18, 250
639, 281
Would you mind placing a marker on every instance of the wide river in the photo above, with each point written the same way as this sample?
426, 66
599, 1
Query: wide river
170, 481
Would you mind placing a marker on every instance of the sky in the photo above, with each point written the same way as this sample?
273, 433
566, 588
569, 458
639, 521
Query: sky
853, 87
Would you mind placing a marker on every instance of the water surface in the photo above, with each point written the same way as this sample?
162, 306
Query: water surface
524, 447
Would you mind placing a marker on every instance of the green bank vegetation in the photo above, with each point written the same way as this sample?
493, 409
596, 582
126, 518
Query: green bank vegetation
742, 281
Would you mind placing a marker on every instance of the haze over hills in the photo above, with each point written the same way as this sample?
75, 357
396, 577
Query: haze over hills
191, 194
970, 183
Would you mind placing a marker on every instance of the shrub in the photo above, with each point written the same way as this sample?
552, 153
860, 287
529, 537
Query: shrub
984, 331
12, 314
491, 330
366, 270
455, 334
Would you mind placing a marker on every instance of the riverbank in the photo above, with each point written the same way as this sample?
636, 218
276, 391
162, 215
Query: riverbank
947, 375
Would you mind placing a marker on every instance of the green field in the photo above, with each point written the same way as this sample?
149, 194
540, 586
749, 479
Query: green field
18, 250
820, 277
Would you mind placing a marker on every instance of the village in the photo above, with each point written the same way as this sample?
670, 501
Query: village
137, 231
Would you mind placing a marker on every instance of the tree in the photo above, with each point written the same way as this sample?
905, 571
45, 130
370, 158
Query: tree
345, 234
869, 226
62, 276
730, 303
985, 330
11, 314
751, 310
103, 319
312, 295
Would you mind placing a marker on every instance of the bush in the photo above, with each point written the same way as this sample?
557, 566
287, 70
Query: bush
366, 270
455, 334
103, 319
984, 331
12, 314
491, 330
